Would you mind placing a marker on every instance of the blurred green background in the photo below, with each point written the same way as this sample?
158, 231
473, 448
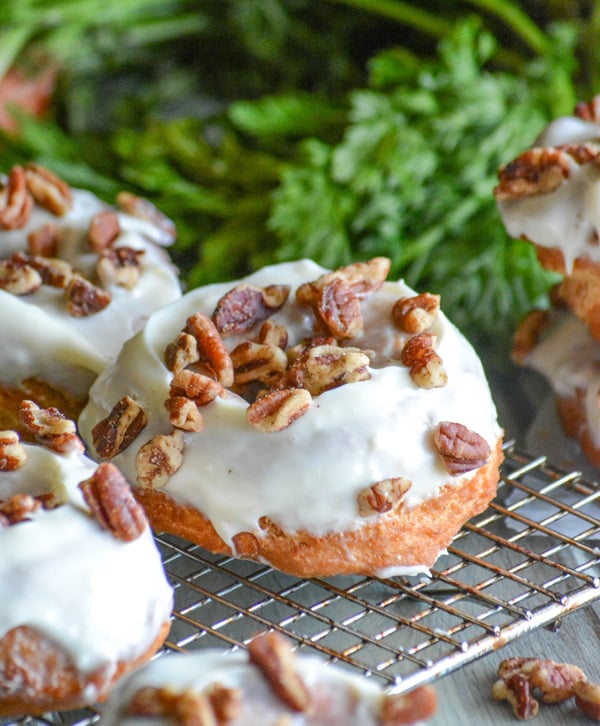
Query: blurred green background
335, 129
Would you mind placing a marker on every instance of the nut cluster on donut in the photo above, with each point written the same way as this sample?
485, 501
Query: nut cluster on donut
25, 272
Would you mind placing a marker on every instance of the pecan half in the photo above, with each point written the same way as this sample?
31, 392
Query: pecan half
416, 313
587, 698
19, 278
363, 278
273, 334
383, 496
274, 657
158, 459
417, 706
144, 209
120, 266
211, 348
44, 240
184, 414
338, 308
426, 366
17, 509
278, 409
15, 201
244, 306
51, 428
201, 389
181, 353
120, 428
48, 190
461, 449
108, 495
535, 171
320, 368
12, 452
103, 230
257, 362
83, 298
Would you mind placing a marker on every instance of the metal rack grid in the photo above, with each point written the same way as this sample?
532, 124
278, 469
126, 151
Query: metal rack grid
530, 559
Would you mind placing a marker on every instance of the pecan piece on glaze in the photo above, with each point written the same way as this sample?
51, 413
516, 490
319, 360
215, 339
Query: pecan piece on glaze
12, 451
416, 313
364, 278
120, 266
186, 708
278, 409
181, 353
383, 496
144, 209
16, 202
587, 698
589, 110
257, 362
245, 306
528, 334
158, 459
338, 308
226, 702
211, 348
535, 171
322, 367
44, 240
201, 389
84, 299
53, 270
273, 334
108, 495
51, 428
426, 366
17, 509
120, 428
416, 706
48, 190
103, 230
461, 449
18, 277
184, 414
274, 657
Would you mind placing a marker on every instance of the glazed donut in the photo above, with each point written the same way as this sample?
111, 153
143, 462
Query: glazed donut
83, 595
550, 196
323, 422
267, 686
77, 278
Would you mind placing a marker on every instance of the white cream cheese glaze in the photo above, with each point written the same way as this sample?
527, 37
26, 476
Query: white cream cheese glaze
344, 698
46, 341
308, 476
99, 598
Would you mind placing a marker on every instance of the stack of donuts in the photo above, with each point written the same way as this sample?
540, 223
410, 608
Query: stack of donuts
550, 196
325, 422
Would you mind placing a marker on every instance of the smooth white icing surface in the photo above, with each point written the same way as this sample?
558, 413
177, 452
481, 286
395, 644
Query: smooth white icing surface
102, 600
569, 358
346, 698
567, 218
45, 340
308, 476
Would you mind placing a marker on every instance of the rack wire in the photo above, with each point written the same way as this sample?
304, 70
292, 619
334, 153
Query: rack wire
529, 560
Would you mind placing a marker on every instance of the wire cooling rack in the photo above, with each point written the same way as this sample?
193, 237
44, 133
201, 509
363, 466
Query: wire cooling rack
530, 559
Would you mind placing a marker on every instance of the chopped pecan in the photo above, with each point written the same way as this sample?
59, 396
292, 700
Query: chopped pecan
426, 366
275, 659
120, 266
338, 308
535, 171
554, 680
144, 209
363, 278
48, 190
273, 334
181, 353
244, 306
461, 449
211, 348
226, 703
186, 708
184, 414
383, 496
516, 689
108, 495
53, 270
19, 278
15, 201
589, 110
278, 409
44, 240
158, 459
51, 428
12, 452
199, 388
17, 509
103, 230
413, 707
416, 313
120, 428
84, 298
322, 367
257, 362
528, 334
587, 698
